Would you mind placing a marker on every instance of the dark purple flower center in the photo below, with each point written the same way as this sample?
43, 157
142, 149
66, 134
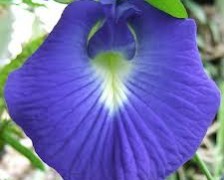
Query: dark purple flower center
114, 34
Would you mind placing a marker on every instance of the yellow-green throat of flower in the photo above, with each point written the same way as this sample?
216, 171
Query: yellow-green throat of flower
114, 70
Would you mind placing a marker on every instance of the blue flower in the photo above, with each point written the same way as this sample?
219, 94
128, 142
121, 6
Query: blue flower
129, 101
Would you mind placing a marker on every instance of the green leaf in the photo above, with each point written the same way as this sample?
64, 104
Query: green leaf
64, 1
203, 167
32, 4
174, 8
8, 138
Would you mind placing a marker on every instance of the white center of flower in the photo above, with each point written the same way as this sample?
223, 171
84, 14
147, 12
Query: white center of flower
113, 69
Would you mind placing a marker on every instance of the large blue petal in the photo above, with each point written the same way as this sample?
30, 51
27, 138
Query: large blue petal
54, 96
170, 94
167, 102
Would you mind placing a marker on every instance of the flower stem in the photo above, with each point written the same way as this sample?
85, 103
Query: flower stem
220, 134
203, 166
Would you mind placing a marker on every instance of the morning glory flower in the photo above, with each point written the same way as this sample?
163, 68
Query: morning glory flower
116, 92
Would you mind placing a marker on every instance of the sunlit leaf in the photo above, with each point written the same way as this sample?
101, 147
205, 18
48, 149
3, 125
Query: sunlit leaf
64, 1
174, 8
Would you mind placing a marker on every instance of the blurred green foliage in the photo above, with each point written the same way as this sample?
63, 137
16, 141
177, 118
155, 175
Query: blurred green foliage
9, 132
29, 3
